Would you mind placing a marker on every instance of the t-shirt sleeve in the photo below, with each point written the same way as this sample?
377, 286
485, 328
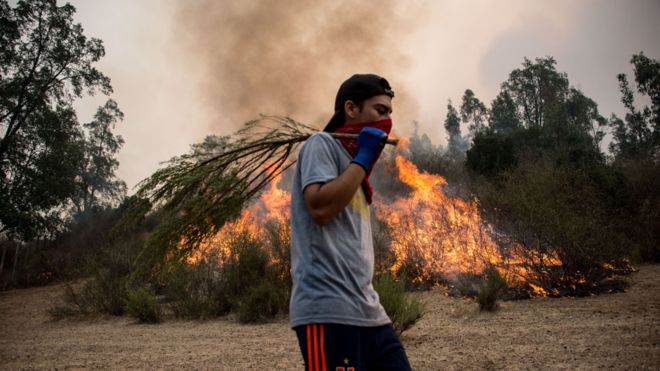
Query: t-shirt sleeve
318, 160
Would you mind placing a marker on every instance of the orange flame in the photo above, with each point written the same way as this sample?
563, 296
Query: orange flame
434, 235
438, 236
273, 205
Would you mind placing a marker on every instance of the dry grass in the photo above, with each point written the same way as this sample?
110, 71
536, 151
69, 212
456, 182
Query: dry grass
620, 331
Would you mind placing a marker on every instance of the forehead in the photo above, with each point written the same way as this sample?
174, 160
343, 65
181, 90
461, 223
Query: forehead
383, 99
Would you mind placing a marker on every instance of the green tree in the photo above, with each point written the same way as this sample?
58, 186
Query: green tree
537, 89
474, 113
457, 145
97, 185
638, 136
47, 63
538, 116
503, 118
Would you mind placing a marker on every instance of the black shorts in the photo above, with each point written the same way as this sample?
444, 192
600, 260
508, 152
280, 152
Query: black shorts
335, 347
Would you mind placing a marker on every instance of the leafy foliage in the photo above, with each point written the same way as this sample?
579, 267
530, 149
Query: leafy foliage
104, 293
567, 211
256, 290
537, 116
45, 154
402, 310
198, 192
105, 271
638, 137
457, 145
261, 303
250, 280
141, 304
473, 112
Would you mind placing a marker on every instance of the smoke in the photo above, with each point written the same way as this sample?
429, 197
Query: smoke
289, 57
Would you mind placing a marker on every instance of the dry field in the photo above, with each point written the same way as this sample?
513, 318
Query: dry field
617, 331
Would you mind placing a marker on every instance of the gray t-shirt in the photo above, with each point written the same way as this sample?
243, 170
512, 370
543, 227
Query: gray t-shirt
331, 265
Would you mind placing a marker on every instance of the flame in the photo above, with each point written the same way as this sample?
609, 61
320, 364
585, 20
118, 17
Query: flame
434, 237
273, 205
438, 236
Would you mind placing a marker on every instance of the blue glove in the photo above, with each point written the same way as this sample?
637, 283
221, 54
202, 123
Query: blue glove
370, 143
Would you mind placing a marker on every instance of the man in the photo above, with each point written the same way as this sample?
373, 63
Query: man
334, 308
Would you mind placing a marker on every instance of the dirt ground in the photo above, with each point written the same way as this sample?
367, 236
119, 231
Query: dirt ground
616, 331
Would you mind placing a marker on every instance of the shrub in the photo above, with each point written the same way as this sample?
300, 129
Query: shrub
141, 304
403, 311
104, 293
262, 303
641, 212
247, 267
251, 283
196, 291
384, 257
278, 235
492, 285
564, 211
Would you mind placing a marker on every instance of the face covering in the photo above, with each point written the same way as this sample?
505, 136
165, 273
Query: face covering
352, 147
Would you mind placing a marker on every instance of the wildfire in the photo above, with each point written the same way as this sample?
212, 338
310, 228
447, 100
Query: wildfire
433, 234
273, 205
434, 237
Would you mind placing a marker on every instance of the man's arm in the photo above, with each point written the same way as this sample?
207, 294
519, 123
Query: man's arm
326, 200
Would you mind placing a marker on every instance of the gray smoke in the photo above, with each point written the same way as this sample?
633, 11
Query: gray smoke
289, 57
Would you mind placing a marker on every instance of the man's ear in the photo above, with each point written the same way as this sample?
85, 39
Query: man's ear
351, 109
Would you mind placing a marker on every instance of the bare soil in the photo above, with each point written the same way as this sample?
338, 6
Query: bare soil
612, 331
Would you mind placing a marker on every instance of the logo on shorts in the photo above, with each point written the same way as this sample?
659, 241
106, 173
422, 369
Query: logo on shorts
346, 361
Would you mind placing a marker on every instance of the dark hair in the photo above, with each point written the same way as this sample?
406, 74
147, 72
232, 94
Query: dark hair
357, 89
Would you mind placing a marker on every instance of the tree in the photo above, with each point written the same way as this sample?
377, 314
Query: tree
474, 113
636, 147
45, 154
97, 185
456, 143
537, 89
503, 118
539, 116
422, 151
638, 137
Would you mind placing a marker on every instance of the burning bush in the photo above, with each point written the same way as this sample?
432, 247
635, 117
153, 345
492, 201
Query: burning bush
437, 238
235, 273
196, 291
560, 211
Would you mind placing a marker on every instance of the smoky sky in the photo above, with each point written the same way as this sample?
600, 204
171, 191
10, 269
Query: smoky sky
592, 47
184, 69
289, 57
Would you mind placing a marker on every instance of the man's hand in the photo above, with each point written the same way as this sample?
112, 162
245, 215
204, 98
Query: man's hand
370, 144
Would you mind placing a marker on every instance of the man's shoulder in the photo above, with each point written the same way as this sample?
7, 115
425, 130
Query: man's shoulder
322, 136
320, 139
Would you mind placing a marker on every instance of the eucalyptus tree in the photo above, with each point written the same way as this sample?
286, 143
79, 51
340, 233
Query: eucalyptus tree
46, 63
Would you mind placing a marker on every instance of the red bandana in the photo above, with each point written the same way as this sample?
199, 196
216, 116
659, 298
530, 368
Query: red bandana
352, 148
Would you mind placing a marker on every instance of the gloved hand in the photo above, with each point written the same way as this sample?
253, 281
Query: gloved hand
370, 143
